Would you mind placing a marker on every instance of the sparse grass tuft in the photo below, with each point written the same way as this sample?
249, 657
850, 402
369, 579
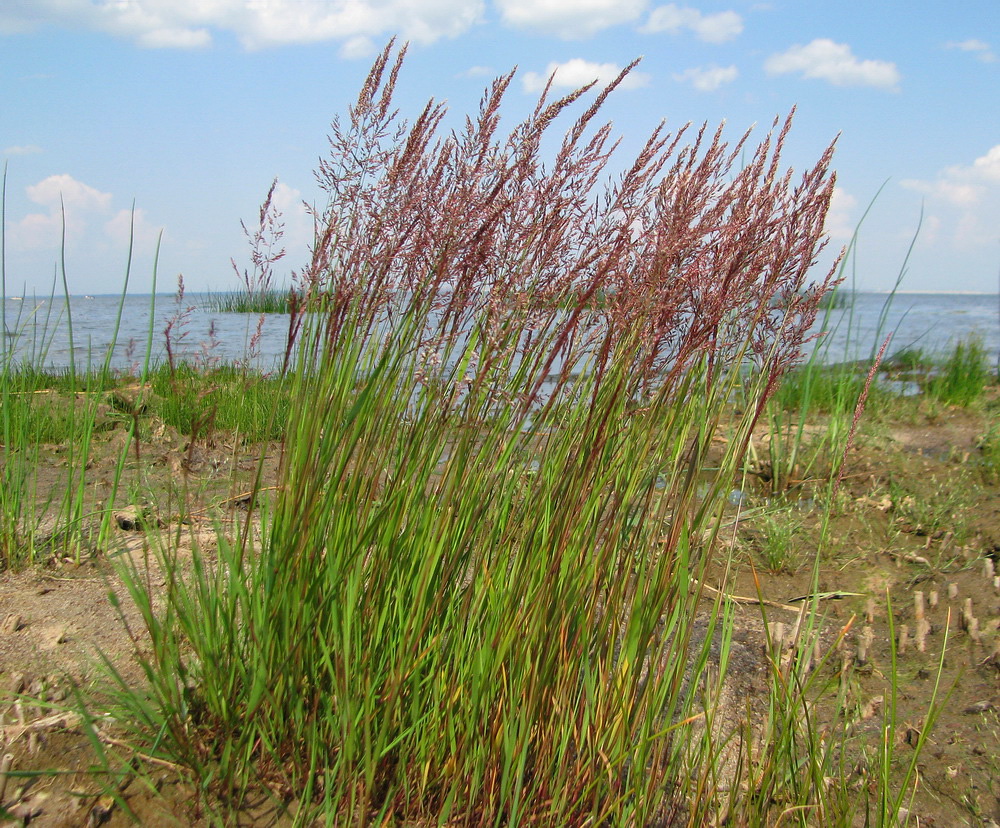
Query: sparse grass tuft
777, 532
935, 509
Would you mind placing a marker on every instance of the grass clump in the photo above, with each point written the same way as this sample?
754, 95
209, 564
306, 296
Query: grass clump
777, 531
473, 597
194, 399
832, 389
481, 588
962, 377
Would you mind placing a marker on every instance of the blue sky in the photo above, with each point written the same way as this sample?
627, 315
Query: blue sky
189, 108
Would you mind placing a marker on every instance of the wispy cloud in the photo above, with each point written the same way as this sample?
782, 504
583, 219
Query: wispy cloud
64, 198
131, 225
88, 213
190, 25
711, 28
478, 72
569, 19
355, 48
987, 167
25, 149
578, 72
840, 218
979, 48
823, 59
965, 197
299, 228
963, 184
707, 78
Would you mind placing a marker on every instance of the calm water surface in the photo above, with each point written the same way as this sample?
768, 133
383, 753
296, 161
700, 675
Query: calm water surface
38, 331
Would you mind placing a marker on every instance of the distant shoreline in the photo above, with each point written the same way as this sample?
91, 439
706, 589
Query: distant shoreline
173, 294
932, 292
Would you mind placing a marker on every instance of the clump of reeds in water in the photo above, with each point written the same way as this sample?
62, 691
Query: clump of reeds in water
271, 301
473, 598
259, 294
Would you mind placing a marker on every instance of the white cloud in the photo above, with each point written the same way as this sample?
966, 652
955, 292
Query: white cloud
840, 221
833, 62
707, 78
188, 24
479, 72
963, 185
569, 19
987, 167
966, 198
129, 224
26, 149
712, 28
578, 72
959, 193
63, 193
87, 212
358, 47
169, 37
64, 196
64, 189
298, 223
35, 231
979, 48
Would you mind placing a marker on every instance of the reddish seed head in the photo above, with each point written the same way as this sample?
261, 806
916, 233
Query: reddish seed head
695, 250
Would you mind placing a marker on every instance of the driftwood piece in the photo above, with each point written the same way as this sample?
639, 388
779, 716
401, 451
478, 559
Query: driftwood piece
66, 720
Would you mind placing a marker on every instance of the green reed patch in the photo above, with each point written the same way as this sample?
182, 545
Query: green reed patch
195, 400
39, 418
963, 375
267, 301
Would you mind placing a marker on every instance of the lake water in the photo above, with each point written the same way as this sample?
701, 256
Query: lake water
39, 332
